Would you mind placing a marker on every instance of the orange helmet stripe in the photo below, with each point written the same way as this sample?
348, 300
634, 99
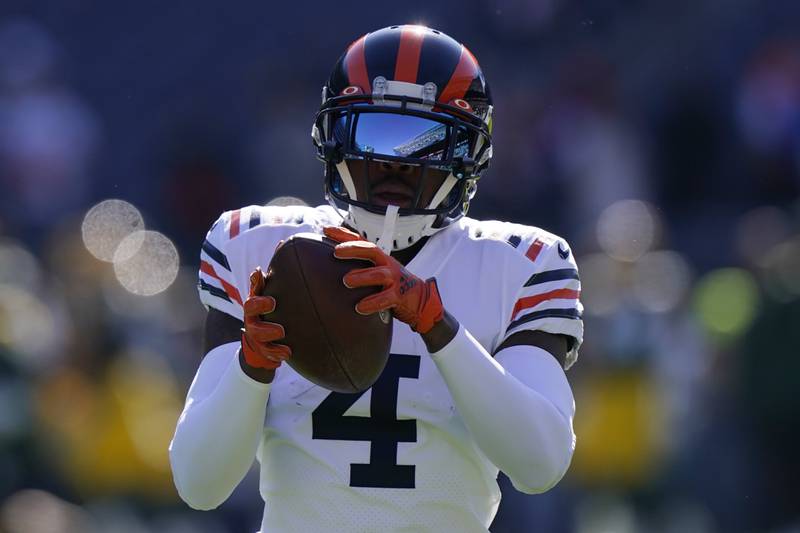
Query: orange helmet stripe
356, 64
407, 65
466, 71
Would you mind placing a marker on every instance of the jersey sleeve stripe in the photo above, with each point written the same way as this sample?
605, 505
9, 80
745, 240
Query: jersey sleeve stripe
571, 313
230, 290
552, 275
234, 230
533, 251
532, 301
215, 254
255, 218
215, 291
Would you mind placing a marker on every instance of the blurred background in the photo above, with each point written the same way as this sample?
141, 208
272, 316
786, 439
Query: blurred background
662, 139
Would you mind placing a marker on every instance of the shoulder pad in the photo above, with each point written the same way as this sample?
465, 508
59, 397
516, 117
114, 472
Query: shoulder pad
284, 215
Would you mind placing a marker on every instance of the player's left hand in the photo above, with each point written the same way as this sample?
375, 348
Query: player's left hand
412, 300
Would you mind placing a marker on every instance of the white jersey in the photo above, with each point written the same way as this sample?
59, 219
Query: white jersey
396, 457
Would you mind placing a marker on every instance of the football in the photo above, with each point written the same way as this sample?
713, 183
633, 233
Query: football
332, 345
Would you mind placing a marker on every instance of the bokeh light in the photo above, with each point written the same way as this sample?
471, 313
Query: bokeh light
782, 270
605, 513
286, 200
107, 224
602, 284
627, 229
37, 511
27, 52
150, 402
27, 325
178, 309
661, 280
759, 231
18, 266
725, 301
146, 263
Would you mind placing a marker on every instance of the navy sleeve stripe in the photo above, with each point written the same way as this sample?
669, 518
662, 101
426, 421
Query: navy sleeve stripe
215, 254
255, 219
214, 291
570, 313
552, 275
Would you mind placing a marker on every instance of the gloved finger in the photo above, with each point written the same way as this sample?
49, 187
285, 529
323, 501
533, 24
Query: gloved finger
247, 343
360, 250
259, 305
277, 352
265, 331
367, 277
257, 282
376, 302
340, 234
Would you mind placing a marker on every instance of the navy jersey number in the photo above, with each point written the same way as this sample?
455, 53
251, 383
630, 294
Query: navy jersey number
382, 428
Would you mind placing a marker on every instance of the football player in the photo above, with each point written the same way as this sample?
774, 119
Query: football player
486, 320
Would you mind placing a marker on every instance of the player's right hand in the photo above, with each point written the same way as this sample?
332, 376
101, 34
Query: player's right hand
259, 335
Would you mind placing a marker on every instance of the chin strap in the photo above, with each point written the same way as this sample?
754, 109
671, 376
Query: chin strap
386, 241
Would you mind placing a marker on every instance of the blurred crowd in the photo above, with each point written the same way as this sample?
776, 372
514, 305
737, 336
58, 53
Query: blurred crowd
662, 141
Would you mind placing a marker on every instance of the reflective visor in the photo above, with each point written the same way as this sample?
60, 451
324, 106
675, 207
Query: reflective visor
401, 136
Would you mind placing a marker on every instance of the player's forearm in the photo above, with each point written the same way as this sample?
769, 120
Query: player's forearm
527, 433
219, 430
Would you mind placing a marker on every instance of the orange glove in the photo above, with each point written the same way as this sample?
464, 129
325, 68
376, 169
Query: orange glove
412, 300
258, 335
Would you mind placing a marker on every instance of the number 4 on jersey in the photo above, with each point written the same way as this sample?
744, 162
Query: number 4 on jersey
382, 428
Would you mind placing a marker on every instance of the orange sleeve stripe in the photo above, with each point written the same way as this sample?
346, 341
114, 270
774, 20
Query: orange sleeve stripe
407, 65
230, 290
235, 223
533, 251
533, 301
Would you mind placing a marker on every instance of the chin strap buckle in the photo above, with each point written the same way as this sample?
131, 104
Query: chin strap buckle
386, 241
